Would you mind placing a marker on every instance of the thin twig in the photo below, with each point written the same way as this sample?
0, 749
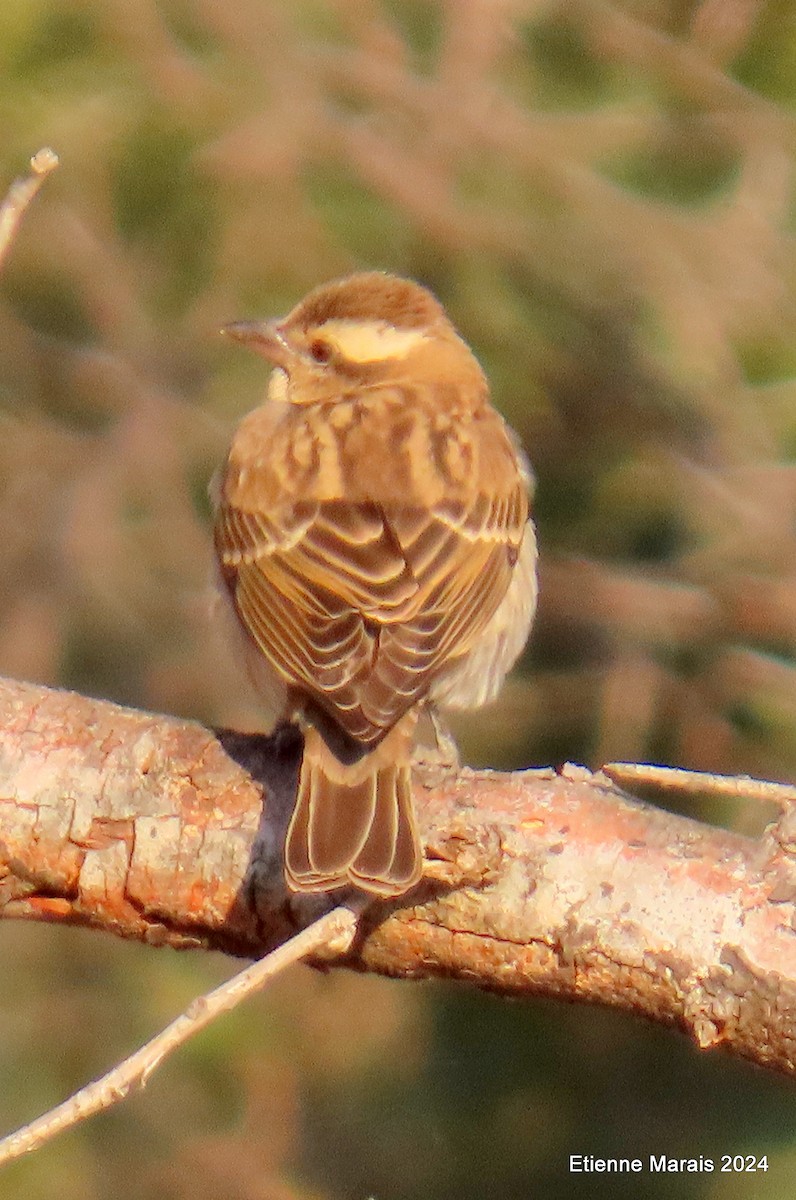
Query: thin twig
677, 779
20, 194
332, 932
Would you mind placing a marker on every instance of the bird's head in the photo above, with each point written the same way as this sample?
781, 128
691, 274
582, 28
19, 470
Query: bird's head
365, 330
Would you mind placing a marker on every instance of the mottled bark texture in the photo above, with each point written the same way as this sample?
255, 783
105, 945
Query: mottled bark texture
543, 882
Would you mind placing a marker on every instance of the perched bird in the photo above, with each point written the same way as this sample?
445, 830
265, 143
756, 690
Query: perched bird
374, 542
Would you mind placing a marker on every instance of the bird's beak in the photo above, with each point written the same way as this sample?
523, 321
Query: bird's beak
264, 337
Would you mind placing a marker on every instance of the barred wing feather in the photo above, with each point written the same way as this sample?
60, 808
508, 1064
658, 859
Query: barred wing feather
361, 605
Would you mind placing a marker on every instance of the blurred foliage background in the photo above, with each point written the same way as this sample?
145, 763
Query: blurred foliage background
603, 196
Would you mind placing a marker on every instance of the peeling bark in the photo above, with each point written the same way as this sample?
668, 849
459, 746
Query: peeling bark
541, 882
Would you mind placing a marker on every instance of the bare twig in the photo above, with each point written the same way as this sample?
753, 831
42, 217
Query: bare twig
332, 933
702, 783
20, 194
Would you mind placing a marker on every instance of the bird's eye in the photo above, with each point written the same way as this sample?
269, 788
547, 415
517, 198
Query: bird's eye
320, 350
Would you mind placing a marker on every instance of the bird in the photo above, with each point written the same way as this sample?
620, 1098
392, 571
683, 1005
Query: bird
376, 557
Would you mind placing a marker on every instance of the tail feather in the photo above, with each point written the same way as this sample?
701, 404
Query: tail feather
376, 855
407, 856
355, 823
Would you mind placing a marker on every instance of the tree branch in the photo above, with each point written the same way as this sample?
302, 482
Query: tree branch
20, 194
539, 882
336, 927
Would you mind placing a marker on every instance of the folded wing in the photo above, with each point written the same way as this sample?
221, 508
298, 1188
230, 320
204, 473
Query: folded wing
362, 605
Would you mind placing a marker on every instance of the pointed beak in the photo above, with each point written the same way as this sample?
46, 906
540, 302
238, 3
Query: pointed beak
264, 337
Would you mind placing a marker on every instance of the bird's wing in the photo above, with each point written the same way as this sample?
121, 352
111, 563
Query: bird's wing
360, 605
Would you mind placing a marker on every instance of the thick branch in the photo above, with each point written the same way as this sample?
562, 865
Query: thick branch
540, 882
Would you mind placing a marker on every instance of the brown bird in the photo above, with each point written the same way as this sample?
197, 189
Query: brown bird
373, 537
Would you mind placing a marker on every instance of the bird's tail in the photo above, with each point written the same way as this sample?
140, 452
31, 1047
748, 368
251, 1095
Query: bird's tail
355, 823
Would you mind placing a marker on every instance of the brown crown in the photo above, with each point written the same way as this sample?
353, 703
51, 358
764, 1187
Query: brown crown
370, 296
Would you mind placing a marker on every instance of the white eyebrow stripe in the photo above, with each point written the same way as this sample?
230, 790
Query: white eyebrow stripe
370, 341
